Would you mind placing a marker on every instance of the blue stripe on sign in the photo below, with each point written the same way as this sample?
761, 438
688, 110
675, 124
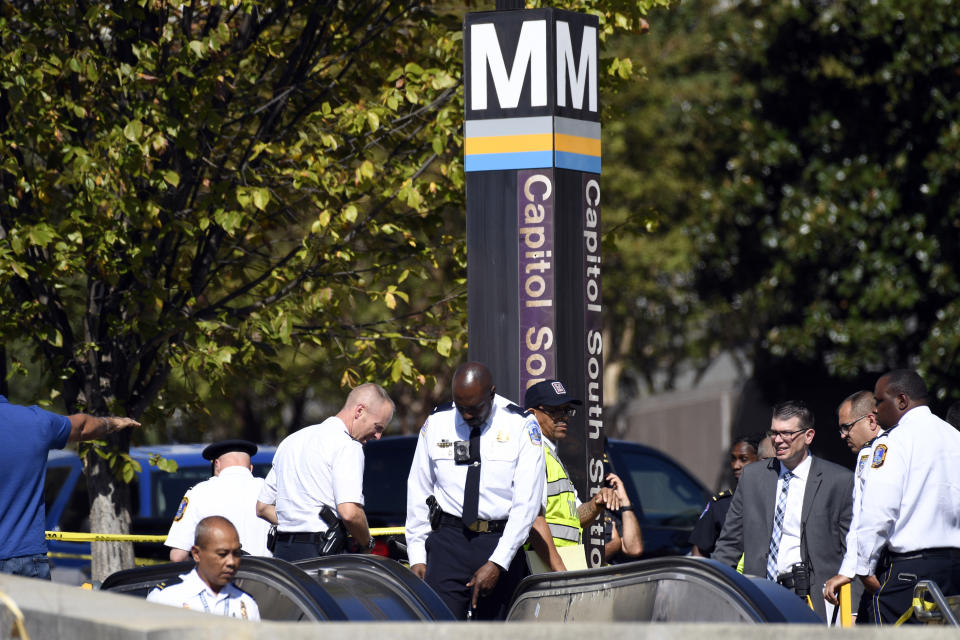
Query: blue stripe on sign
507, 161
577, 162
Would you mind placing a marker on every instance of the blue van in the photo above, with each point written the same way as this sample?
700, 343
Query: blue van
154, 497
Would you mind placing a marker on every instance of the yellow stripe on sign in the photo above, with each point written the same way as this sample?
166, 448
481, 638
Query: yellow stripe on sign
509, 144
577, 144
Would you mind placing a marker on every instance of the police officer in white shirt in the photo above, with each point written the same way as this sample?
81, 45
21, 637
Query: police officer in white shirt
208, 586
481, 459
910, 510
232, 492
322, 466
859, 429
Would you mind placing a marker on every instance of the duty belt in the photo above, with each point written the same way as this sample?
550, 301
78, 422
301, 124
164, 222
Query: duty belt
480, 526
935, 552
299, 536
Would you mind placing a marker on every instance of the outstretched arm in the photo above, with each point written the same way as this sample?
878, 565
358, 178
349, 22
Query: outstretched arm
86, 427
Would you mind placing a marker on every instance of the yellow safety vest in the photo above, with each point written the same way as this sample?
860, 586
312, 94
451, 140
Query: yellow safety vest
561, 504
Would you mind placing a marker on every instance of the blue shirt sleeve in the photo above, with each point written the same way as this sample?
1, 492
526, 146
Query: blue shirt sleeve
57, 427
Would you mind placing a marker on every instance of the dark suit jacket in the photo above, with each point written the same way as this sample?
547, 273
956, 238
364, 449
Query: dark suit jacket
824, 521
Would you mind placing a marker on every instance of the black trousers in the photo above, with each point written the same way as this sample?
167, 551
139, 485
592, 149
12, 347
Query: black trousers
289, 550
453, 555
895, 596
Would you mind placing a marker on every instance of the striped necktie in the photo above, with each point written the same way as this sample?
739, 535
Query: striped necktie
772, 572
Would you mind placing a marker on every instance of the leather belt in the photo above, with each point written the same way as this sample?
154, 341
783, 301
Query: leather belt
296, 536
480, 526
934, 552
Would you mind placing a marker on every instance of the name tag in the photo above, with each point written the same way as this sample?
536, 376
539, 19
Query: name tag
443, 450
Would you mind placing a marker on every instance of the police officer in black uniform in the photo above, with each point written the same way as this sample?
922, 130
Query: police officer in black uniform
704, 536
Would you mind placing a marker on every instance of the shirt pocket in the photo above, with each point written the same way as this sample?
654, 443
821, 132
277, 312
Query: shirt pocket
500, 452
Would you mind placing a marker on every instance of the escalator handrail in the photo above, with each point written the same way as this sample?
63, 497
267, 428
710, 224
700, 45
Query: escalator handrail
319, 606
759, 604
390, 573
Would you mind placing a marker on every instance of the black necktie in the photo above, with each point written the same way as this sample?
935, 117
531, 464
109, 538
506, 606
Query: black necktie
471, 492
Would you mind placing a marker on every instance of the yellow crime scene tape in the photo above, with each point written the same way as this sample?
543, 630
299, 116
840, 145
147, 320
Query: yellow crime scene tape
73, 536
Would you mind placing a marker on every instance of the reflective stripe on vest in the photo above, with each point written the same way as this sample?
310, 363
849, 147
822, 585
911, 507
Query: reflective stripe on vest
563, 485
563, 532
561, 512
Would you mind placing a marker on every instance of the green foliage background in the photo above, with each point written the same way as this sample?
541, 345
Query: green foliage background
784, 188
258, 198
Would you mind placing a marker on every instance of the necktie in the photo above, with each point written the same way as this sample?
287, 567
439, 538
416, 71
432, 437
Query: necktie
471, 492
777, 528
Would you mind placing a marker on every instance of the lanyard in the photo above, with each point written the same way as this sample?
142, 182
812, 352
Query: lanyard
206, 607
226, 606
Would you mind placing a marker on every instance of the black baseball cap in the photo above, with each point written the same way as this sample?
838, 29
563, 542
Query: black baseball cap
549, 393
217, 449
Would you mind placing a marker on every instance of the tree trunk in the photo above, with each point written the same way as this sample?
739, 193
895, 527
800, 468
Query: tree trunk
109, 511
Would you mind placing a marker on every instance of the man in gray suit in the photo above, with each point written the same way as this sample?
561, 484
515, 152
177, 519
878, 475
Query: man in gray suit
789, 509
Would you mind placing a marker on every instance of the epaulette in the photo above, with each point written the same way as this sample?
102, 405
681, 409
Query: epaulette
446, 406
886, 432
168, 583
512, 408
722, 494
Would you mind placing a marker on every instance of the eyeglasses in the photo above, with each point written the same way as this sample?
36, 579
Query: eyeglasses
557, 413
845, 427
786, 436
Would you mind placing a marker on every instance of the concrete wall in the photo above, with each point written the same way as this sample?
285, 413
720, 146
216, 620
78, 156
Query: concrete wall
693, 427
58, 611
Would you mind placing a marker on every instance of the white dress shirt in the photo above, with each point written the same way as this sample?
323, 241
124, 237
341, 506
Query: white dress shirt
848, 567
193, 593
789, 552
911, 497
512, 476
315, 466
233, 494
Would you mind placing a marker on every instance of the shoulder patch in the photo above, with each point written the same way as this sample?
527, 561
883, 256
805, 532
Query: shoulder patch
512, 408
446, 406
879, 454
862, 463
705, 509
181, 509
533, 430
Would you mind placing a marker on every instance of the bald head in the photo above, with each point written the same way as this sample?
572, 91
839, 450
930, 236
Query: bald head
472, 375
232, 459
370, 394
216, 550
210, 527
473, 392
367, 412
